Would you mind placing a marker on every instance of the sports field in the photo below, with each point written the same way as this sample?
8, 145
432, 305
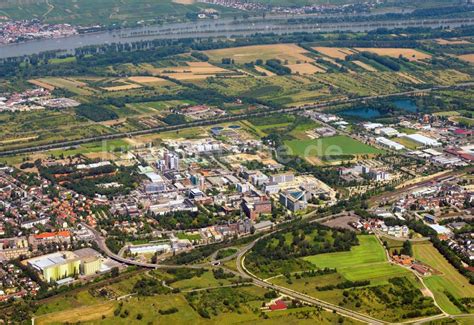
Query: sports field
330, 146
450, 280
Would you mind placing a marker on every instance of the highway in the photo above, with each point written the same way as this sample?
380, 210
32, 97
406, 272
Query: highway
323, 105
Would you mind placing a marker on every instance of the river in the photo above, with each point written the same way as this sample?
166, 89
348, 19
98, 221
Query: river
208, 28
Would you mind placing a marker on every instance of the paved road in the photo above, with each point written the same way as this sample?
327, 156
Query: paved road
101, 243
69, 144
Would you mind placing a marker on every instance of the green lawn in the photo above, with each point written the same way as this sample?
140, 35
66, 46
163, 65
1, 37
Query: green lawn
331, 146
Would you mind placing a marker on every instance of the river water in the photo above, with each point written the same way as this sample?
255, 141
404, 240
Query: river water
214, 28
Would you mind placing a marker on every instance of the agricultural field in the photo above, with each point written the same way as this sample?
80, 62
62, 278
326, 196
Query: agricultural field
75, 86
192, 71
334, 52
450, 280
290, 53
305, 68
342, 53
281, 90
467, 57
410, 54
42, 127
330, 146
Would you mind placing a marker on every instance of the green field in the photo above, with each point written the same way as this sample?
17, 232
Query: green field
449, 280
331, 146
369, 250
367, 261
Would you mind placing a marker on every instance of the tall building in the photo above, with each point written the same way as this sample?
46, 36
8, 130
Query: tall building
171, 161
294, 199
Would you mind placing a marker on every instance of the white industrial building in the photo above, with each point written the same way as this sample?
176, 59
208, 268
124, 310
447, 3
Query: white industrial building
423, 140
384, 142
389, 132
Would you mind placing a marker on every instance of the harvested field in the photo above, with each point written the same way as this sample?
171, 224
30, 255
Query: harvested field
82, 314
291, 52
364, 66
263, 70
75, 86
146, 79
334, 52
304, 68
410, 77
451, 41
194, 70
410, 54
467, 57
41, 84
124, 87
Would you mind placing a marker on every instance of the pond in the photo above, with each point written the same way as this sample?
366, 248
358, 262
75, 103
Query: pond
366, 113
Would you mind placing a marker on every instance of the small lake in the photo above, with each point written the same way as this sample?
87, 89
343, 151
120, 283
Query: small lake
407, 105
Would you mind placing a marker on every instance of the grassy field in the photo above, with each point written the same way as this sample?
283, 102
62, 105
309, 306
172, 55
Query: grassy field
367, 261
330, 146
449, 280
206, 280
369, 250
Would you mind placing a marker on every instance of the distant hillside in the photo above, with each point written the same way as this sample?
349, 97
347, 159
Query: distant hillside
87, 12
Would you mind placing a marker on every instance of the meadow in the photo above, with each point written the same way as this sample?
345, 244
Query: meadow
182, 308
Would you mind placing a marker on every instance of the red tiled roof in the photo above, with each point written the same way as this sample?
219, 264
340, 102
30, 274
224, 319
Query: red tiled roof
53, 234
279, 305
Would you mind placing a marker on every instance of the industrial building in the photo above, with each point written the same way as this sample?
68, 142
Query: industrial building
423, 140
60, 265
384, 142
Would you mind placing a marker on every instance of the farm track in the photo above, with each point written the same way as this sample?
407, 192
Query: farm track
71, 144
